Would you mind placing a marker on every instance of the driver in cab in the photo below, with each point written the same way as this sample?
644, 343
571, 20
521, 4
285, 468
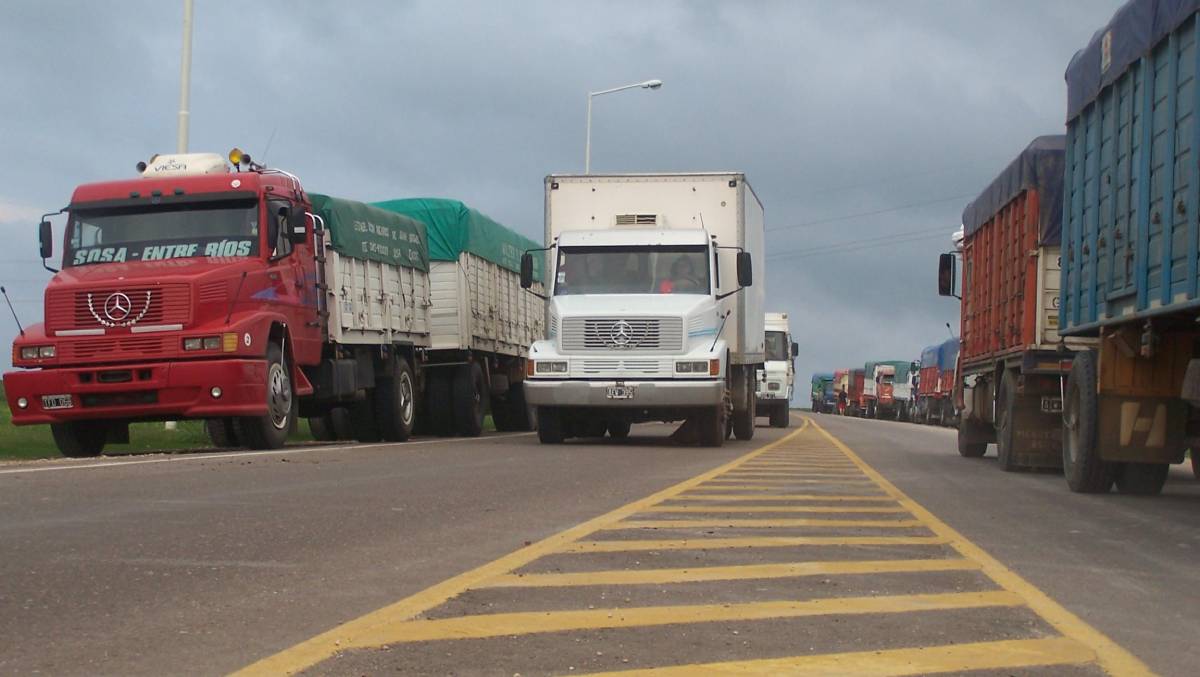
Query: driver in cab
683, 279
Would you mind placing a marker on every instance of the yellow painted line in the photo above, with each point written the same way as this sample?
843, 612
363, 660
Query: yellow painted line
782, 497
729, 573
927, 660
775, 508
325, 645
535, 622
783, 475
759, 523
1112, 657
747, 542
744, 485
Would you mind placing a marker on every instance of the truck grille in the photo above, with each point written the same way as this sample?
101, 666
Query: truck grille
619, 333
624, 367
161, 304
115, 348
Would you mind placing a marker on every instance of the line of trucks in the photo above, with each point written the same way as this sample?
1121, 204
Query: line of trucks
1077, 271
900, 390
227, 292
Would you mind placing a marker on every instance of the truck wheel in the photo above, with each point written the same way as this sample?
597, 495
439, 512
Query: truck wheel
779, 415
1085, 471
81, 439
502, 414
469, 395
712, 426
321, 428
395, 402
521, 415
1004, 423
743, 422
1142, 479
437, 397
619, 430
550, 425
221, 432
271, 431
967, 448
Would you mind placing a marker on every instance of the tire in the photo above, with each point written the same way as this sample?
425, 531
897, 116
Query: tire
1086, 473
361, 415
521, 415
221, 432
1142, 479
81, 439
550, 426
1005, 435
502, 414
619, 430
469, 397
779, 415
271, 431
711, 426
395, 402
969, 449
743, 423
321, 428
437, 395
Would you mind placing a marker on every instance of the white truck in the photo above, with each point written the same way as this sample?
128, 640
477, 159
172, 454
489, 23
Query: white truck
777, 378
652, 314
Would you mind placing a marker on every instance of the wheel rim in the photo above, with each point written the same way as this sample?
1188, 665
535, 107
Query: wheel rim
279, 396
407, 402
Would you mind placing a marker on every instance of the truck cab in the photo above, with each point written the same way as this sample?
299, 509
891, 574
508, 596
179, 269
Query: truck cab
635, 330
776, 380
186, 292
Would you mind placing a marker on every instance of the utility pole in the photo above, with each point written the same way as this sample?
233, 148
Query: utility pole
185, 78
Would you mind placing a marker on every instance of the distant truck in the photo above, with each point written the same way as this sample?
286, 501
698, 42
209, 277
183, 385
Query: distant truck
841, 389
241, 299
1008, 386
1131, 268
936, 383
823, 397
856, 397
776, 381
887, 389
653, 313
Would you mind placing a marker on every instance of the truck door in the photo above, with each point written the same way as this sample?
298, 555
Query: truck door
292, 290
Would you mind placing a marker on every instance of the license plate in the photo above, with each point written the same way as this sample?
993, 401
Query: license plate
621, 392
1052, 405
57, 402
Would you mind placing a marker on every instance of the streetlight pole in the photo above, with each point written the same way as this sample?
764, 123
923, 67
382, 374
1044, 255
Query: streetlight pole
185, 78
587, 146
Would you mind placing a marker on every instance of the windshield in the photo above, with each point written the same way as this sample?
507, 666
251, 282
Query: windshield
159, 232
777, 348
632, 270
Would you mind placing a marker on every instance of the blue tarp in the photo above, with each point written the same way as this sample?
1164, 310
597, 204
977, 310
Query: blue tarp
1131, 33
947, 354
1040, 166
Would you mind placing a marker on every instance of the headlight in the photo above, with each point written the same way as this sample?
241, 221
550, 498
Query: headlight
772, 386
37, 352
203, 343
212, 342
193, 343
692, 367
550, 367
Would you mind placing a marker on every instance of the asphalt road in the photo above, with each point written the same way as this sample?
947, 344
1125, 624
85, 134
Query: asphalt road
519, 558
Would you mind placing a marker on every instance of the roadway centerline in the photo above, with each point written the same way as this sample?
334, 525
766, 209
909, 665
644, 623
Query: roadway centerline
759, 523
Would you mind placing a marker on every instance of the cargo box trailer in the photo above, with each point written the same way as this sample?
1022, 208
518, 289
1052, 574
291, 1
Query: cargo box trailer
1011, 361
936, 383
653, 309
1131, 246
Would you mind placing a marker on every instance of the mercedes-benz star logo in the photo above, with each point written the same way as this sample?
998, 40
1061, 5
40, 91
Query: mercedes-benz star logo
118, 306
621, 333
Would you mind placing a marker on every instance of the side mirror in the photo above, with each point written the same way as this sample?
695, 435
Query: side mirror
45, 240
795, 349
946, 266
526, 270
297, 221
745, 269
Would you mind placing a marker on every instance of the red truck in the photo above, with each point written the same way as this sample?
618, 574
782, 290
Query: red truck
198, 292
857, 399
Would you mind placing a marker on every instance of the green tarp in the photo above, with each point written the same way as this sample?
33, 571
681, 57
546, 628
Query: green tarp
455, 228
362, 231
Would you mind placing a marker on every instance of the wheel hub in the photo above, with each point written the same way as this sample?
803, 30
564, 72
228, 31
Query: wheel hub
279, 396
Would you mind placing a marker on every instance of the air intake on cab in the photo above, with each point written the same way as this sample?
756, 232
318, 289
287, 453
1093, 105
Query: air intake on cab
637, 219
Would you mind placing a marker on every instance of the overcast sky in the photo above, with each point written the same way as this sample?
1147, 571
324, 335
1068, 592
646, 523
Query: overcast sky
844, 115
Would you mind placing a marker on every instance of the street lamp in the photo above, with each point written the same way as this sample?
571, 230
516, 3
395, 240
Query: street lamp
587, 148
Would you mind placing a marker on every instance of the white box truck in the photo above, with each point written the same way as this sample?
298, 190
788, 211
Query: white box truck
777, 379
653, 313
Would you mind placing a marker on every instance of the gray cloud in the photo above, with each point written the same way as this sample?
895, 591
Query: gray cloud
831, 109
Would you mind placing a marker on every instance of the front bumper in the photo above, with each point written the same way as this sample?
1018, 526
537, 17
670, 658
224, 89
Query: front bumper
154, 390
647, 394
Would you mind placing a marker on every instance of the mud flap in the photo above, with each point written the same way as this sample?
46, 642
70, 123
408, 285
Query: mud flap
1142, 429
1037, 431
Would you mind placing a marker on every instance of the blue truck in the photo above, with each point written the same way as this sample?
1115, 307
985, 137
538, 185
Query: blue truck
1131, 249
824, 399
